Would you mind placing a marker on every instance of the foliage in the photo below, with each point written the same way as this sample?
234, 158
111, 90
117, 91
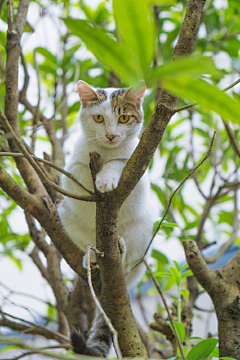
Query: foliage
134, 41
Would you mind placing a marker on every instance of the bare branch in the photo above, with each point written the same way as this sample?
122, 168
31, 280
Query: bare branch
232, 85
184, 107
232, 139
51, 164
152, 350
99, 306
176, 190
32, 329
35, 258
51, 354
36, 235
10, 14
163, 111
21, 196
20, 19
20, 144
197, 264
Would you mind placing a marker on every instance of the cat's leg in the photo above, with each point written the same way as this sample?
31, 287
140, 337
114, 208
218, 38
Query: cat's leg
99, 338
107, 179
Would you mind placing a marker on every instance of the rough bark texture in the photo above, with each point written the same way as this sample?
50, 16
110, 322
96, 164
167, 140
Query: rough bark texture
39, 204
223, 285
115, 299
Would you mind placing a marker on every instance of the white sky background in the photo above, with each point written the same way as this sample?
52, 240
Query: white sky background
29, 280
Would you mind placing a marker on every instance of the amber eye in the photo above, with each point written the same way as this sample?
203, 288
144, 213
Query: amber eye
123, 119
98, 118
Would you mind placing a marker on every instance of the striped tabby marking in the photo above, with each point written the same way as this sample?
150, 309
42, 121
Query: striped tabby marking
122, 105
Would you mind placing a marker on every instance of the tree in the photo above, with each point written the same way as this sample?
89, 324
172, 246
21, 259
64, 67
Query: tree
136, 49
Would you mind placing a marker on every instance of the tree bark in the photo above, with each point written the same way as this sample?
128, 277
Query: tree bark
223, 287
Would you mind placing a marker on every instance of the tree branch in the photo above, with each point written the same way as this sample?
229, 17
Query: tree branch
98, 305
51, 164
22, 197
20, 144
176, 190
163, 111
232, 139
32, 329
197, 264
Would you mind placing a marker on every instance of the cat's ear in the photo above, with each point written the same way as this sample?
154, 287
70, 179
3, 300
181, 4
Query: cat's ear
135, 96
86, 93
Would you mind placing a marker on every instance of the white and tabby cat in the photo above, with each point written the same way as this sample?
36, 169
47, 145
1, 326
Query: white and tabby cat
111, 121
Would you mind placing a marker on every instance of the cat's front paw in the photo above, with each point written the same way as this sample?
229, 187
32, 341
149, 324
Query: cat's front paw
104, 184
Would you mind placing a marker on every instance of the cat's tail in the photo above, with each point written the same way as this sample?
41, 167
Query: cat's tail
98, 342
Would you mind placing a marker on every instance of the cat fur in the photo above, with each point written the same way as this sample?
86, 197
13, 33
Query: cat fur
113, 141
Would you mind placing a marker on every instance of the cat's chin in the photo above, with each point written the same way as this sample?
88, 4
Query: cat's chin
110, 145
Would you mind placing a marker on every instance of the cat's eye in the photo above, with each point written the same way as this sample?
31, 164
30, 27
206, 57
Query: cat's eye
98, 118
123, 119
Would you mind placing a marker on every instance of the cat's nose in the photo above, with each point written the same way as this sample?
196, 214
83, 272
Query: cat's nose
110, 137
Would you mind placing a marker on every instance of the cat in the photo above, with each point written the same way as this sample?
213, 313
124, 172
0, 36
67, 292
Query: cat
111, 121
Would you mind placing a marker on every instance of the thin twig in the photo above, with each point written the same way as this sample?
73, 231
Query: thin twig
167, 309
56, 333
232, 139
232, 85
184, 107
97, 302
19, 142
51, 354
51, 164
176, 190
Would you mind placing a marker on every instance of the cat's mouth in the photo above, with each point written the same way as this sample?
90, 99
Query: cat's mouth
111, 143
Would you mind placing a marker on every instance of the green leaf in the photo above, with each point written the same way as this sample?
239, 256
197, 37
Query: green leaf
169, 224
227, 358
162, 2
206, 95
16, 261
176, 274
202, 350
136, 27
162, 274
159, 256
47, 54
187, 273
215, 353
177, 265
180, 330
190, 67
155, 226
107, 50
185, 293
9, 348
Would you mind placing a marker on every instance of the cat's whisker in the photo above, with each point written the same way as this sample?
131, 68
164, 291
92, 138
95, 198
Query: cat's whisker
88, 140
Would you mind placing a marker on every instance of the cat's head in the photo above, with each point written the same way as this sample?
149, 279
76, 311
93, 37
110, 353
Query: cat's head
110, 115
